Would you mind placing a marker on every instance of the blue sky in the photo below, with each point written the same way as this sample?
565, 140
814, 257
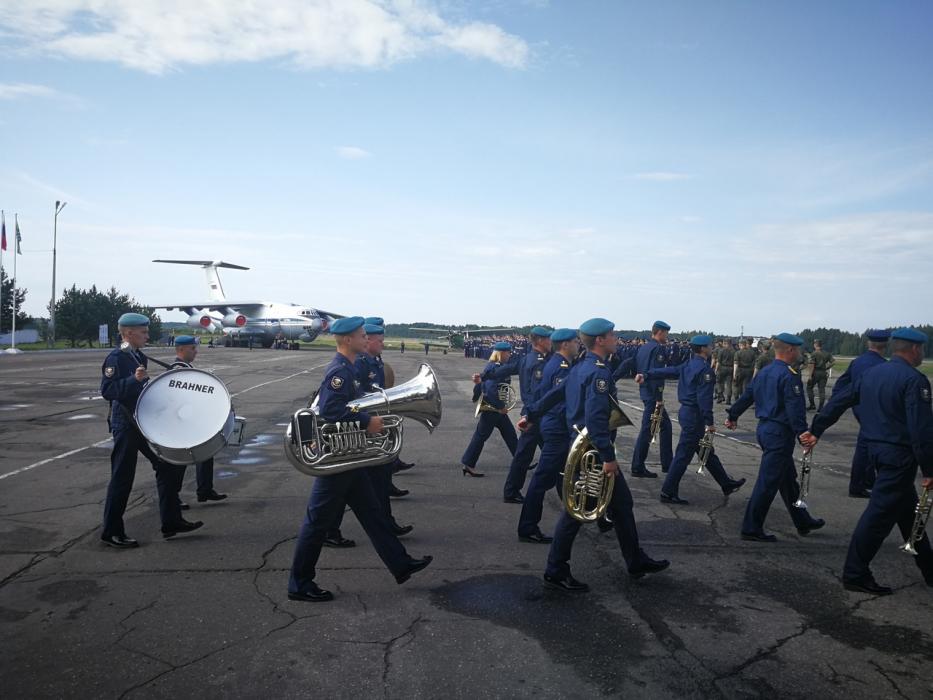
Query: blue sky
721, 165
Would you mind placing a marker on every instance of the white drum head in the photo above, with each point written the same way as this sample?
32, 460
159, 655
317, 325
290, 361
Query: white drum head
183, 408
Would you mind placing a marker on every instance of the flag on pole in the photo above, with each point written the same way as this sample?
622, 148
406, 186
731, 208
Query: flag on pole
19, 237
3, 226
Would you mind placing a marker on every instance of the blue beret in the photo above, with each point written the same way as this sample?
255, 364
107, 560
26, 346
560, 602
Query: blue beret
502, 345
375, 321
789, 338
374, 329
541, 332
562, 334
909, 334
596, 326
701, 340
877, 334
663, 326
343, 326
132, 319
185, 340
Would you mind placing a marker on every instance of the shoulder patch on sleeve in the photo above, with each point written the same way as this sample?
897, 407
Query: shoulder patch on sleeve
109, 371
708, 376
336, 382
925, 394
796, 388
602, 385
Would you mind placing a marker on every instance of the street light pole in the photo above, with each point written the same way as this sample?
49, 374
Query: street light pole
58, 207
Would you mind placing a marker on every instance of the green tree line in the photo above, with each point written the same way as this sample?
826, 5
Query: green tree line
79, 312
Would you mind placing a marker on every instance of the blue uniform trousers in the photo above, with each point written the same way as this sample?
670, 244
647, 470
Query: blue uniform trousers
489, 421
692, 429
644, 439
777, 473
862, 475
329, 495
128, 442
204, 472
546, 476
521, 460
623, 520
381, 477
893, 502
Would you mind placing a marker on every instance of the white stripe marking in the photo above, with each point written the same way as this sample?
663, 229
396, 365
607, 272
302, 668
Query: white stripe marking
52, 459
275, 381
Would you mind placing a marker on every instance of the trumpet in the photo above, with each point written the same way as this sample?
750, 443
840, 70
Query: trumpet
507, 395
656, 416
917, 530
706, 449
806, 466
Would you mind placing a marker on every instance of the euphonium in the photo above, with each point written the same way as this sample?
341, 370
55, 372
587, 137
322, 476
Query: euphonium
924, 506
806, 466
656, 417
587, 489
706, 449
317, 448
507, 395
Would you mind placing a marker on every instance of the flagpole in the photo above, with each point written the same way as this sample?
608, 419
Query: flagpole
3, 224
15, 253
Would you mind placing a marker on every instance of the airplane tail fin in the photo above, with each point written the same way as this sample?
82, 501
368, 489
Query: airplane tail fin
215, 288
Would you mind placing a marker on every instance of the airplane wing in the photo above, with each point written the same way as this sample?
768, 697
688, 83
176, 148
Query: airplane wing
244, 307
329, 314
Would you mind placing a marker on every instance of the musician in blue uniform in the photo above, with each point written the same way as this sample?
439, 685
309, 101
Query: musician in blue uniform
497, 415
124, 376
186, 350
897, 426
650, 356
777, 393
587, 393
330, 494
553, 430
861, 475
695, 388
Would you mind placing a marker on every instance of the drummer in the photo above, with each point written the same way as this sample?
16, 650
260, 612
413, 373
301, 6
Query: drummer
123, 377
186, 349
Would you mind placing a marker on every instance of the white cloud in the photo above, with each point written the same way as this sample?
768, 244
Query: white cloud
23, 91
661, 176
352, 152
156, 36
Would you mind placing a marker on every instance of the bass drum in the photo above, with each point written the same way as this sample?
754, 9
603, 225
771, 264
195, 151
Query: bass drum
186, 415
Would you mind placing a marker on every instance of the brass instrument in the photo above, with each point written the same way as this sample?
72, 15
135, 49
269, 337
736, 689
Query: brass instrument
656, 416
917, 530
706, 449
317, 448
507, 395
587, 489
806, 466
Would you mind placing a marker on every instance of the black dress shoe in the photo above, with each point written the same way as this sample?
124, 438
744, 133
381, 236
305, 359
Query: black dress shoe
396, 492
649, 566
536, 538
568, 583
414, 566
604, 525
312, 595
676, 500
644, 474
401, 466
469, 471
180, 526
864, 493
811, 526
211, 496
866, 584
399, 530
532, 466
732, 486
119, 541
339, 542
183, 506
758, 537
513, 499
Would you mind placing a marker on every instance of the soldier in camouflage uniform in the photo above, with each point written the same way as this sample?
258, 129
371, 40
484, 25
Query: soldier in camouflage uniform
820, 364
744, 367
724, 372
765, 356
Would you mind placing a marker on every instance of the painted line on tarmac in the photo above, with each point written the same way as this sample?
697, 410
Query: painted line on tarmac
718, 432
275, 381
52, 459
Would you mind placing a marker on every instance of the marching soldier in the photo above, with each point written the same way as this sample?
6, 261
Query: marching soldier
650, 356
695, 394
588, 388
744, 367
496, 418
124, 376
779, 406
820, 364
724, 369
765, 357
186, 349
897, 426
330, 494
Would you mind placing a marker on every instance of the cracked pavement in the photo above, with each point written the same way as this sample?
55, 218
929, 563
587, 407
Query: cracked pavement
206, 613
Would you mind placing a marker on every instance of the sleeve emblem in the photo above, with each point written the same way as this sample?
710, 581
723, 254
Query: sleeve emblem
336, 382
109, 371
797, 389
602, 386
925, 395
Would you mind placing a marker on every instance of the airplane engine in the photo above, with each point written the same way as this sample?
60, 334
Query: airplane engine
234, 320
203, 321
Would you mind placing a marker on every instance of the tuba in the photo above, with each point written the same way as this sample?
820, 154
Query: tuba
318, 448
507, 395
706, 449
587, 489
918, 528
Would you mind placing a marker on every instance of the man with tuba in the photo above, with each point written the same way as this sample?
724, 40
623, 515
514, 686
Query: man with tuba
651, 356
896, 423
494, 414
589, 388
695, 388
330, 494
124, 376
777, 393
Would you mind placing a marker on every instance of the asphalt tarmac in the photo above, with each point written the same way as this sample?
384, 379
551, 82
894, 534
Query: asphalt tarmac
206, 615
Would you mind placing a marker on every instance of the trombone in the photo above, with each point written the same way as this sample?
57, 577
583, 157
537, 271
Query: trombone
924, 506
806, 466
